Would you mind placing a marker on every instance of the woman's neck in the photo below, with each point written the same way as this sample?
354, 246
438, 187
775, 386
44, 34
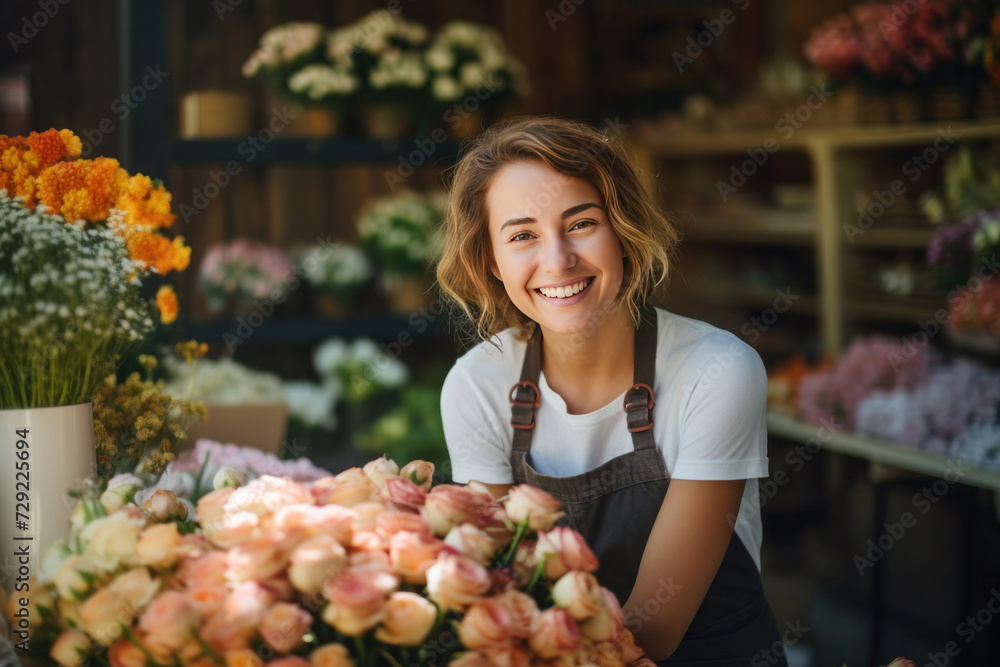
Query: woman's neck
589, 370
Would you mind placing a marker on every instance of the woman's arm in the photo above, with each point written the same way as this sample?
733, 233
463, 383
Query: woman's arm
683, 554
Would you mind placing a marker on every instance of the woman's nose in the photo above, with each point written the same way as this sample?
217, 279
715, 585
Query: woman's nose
557, 255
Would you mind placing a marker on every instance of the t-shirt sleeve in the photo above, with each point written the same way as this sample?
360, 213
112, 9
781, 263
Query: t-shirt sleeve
478, 442
723, 430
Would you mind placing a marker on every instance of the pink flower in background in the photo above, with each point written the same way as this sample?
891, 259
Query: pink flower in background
835, 47
244, 270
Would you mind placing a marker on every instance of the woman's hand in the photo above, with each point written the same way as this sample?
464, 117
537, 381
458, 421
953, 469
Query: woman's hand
683, 554
498, 490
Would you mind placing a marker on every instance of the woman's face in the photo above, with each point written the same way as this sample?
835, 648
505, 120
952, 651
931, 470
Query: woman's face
553, 247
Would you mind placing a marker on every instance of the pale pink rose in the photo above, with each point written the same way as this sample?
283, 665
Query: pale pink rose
163, 505
391, 522
579, 594
454, 582
470, 659
66, 647
289, 524
333, 520
158, 546
347, 489
564, 549
103, 614
202, 571
330, 655
449, 505
225, 637
207, 600
486, 623
357, 600
379, 470
368, 540
492, 519
168, 621
266, 495
368, 512
236, 528
523, 612
314, 561
412, 553
211, 509
284, 625
526, 560
529, 503
369, 561
280, 586
555, 635
242, 657
408, 619
509, 654
404, 494
471, 541
257, 559
123, 653
136, 587
419, 472
246, 605
609, 621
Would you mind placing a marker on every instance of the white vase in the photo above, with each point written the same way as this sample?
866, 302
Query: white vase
44, 452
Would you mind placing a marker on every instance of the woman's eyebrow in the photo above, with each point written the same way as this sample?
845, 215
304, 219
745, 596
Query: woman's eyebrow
568, 213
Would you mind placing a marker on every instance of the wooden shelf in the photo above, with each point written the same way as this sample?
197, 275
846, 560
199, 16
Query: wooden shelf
750, 297
776, 227
882, 451
338, 150
901, 237
888, 311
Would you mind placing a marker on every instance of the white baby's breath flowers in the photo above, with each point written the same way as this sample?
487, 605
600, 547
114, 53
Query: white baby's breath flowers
283, 44
336, 267
223, 381
400, 231
312, 404
321, 82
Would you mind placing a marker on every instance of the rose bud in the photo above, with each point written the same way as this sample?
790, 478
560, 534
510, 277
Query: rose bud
455, 582
284, 625
404, 494
579, 594
449, 505
314, 561
419, 472
412, 553
472, 542
164, 506
528, 502
523, 612
379, 470
68, 646
556, 634
332, 520
564, 549
121, 490
608, 623
367, 513
486, 623
408, 619
228, 477
330, 655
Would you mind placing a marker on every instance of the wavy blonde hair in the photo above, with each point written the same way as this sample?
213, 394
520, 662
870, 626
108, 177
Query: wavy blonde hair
575, 149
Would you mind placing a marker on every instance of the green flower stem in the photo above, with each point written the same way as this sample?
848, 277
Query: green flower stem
522, 528
536, 576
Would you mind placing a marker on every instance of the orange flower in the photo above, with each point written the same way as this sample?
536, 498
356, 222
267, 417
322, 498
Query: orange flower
82, 189
157, 252
146, 206
166, 303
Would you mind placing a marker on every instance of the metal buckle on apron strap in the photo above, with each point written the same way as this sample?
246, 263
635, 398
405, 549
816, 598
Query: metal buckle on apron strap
534, 403
639, 403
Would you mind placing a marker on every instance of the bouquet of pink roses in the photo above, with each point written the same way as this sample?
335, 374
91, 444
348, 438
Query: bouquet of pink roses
371, 566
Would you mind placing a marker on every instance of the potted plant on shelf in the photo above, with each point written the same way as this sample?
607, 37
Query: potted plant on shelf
399, 234
337, 272
236, 274
78, 238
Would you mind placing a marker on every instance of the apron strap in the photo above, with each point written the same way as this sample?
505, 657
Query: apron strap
639, 399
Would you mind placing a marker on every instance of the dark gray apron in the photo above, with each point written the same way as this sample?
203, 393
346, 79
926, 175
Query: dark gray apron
614, 506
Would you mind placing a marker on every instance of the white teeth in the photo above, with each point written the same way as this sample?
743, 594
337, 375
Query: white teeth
565, 291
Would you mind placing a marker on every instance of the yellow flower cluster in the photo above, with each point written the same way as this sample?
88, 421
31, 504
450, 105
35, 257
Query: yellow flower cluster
136, 423
44, 168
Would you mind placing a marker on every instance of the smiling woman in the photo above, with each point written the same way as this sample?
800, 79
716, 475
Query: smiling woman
552, 249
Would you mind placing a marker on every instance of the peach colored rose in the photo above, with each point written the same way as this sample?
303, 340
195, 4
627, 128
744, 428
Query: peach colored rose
492, 519
555, 635
529, 503
564, 549
470, 659
379, 470
266, 495
236, 528
616, 653
412, 553
280, 586
246, 605
367, 513
111, 540
243, 657
330, 655
486, 623
523, 612
195, 545
509, 654
103, 614
284, 625
449, 505
627, 649
579, 594
225, 637
211, 509
164, 506
288, 661
403, 494
357, 600
349, 488
609, 621
408, 619
158, 546
454, 582
471, 541
369, 561
66, 647
207, 600
168, 621
314, 561
289, 524
368, 540
257, 559
334, 520
420, 473
123, 653
68, 581
202, 571
391, 522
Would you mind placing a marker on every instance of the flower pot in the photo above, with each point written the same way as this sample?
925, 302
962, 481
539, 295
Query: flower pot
469, 125
406, 294
258, 425
215, 113
385, 121
44, 452
314, 121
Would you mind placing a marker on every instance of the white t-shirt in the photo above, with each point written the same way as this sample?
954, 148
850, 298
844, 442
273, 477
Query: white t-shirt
708, 421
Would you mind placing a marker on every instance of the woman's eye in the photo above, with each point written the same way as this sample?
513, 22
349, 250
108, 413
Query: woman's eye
523, 236
581, 224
